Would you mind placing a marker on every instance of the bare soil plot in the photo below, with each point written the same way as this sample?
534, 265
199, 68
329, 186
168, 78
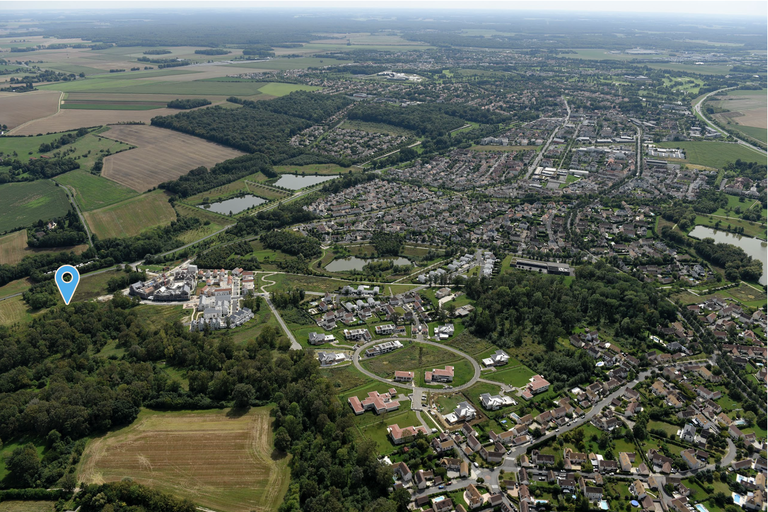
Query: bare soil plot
76, 118
14, 247
131, 217
19, 108
218, 459
161, 155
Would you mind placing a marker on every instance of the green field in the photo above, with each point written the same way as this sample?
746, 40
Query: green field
321, 169
87, 148
93, 192
131, 217
517, 376
420, 358
14, 311
23, 204
128, 84
27, 506
215, 222
714, 154
110, 106
377, 431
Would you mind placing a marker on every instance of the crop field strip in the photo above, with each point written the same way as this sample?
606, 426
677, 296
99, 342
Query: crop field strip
17, 109
72, 119
161, 155
215, 459
131, 217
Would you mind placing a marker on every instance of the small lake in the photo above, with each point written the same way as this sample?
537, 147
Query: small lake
234, 205
355, 263
296, 182
752, 246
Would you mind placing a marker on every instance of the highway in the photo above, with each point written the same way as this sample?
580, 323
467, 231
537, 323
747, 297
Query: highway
712, 125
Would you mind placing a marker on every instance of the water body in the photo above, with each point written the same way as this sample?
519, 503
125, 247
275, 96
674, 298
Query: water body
235, 205
355, 263
752, 246
296, 182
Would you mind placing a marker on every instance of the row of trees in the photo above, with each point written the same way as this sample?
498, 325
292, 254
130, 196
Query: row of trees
291, 243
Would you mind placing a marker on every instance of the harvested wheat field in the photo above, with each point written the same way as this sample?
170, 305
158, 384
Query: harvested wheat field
161, 155
19, 108
14, 247
132, 216
76, 118
215, 458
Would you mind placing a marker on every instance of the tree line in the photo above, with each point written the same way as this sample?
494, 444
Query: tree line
291, 243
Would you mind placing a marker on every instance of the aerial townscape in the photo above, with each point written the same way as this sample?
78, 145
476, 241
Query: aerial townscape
382, 258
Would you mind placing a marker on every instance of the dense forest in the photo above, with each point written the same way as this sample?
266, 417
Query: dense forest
36, 169
514, 306
229, 256
737, 264
427, 119
201, 179
188, 103
291, 243
258, 127
68, 231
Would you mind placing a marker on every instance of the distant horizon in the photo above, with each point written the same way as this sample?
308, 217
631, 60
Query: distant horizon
703, 8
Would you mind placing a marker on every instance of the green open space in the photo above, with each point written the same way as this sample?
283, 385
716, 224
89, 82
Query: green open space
419, 358
345, 378
27, 506
23, 204
92, 191
714, 153
754, 229
517, 376
377, 431
212, 222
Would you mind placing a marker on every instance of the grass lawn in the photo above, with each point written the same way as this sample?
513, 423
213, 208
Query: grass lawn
469, 344
23, 204
671, 430
11, 445
478, 389
27, 506
517, 376
447, 403
714, 154
93, 192
377, 430
419, 358
17, 286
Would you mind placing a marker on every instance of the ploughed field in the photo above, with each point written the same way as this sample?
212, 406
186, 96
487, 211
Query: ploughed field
219, 459
161, 155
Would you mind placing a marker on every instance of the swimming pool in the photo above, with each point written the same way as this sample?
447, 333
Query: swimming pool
701, 508
603, 505
736, 498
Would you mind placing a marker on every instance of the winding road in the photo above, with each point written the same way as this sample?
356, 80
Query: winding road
359, 350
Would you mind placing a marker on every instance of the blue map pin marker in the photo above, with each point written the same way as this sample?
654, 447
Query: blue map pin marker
67, 289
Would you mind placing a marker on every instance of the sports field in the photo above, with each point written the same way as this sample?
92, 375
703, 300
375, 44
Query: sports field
22, 204
17, 109
714, 154
160, 155
13, 247
92, 192
218, 459
131, 217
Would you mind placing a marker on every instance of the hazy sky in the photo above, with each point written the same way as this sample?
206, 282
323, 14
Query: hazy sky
740, 8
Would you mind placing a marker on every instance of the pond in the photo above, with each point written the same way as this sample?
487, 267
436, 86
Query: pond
234, 205
296, 182
355, 263
752, 246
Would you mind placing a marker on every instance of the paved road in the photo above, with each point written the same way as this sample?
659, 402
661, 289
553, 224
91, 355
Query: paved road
71, 198
697, 107
538, 158
294, 344
359, 350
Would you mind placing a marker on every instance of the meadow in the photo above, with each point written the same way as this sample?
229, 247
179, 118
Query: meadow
27, 506
419, 358
714, 154
14, 311
215, 222
23, 204
131, 217
93, 192
222, 459
13, 247
160, 155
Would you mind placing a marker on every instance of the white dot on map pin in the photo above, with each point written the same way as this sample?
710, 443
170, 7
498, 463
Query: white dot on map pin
67, 289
